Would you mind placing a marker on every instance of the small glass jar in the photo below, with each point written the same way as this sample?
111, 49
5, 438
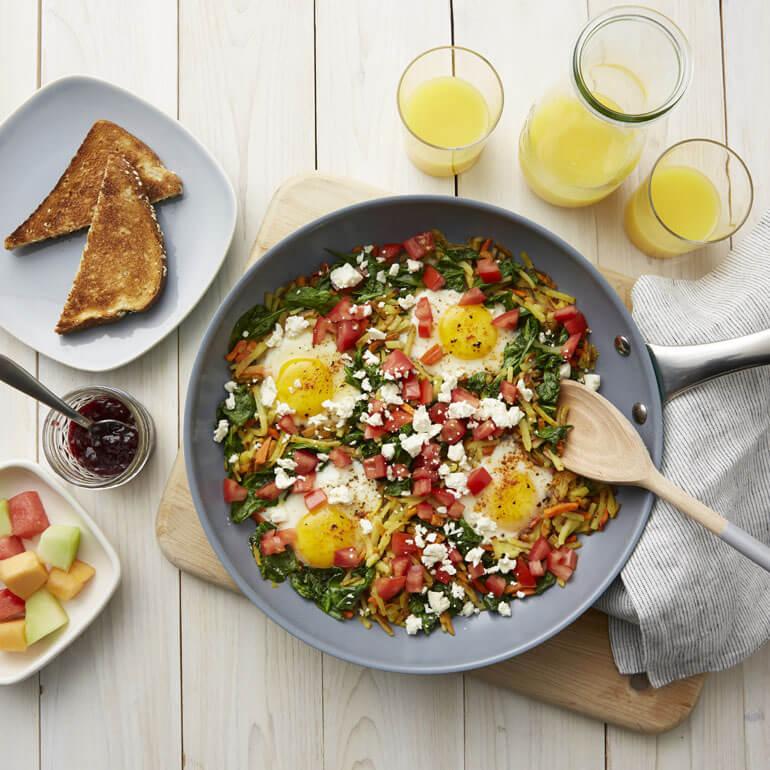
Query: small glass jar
56, 440
630, 67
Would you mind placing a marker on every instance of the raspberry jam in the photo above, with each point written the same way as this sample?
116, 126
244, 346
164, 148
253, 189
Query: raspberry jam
106, 450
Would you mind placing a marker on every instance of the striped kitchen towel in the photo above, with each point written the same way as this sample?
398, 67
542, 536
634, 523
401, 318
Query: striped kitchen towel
686, 602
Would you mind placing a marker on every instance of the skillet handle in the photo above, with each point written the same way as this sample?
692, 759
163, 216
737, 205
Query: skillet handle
680, 367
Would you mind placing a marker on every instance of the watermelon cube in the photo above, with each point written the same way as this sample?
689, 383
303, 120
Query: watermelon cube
10, 546
28, 517
11, 606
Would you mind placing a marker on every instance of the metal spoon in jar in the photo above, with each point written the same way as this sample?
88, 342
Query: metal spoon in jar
20, 379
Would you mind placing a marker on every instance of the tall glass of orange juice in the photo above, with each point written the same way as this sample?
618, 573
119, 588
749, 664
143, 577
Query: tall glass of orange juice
630, 66
450, 100
699, 191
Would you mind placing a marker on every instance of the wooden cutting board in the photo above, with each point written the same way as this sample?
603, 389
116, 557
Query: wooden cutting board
574, 669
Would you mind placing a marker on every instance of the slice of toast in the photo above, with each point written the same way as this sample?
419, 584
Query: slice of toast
123, 267
69, 206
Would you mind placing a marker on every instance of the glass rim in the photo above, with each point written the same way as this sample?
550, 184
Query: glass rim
732, 153
678, 41
493, 123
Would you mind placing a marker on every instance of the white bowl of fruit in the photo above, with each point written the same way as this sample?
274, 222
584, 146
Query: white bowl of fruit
57, 570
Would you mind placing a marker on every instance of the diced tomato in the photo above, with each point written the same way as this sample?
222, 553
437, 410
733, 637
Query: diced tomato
484, 430
432, 355
473, 296
432, 279
443, 496
415, 579
374, 467
452, 431
426, 391
374, 431
565, 314
454, 556
425, 471
537, 568
11, 606
287, 424
488, 270
509, 320
576, 325
28, 517
347, 558
315, 499
233, 491
398, 364
341, 311
306, 461
425, 511
421, 487
390, 251
269, 491
524, 576
476, 570
410, 388
540, 549
323, 326
402, 544
569, 347
10, 545
388, 587
478, 479
348, 333
399, 471
400, 565
304, 484
424, 316
438, 412
430, 454
442, 576
419, 245
495, 585
288, 536
561, 563
461, 394
271, 543
455, 510
398, 418
509, 391
340, 457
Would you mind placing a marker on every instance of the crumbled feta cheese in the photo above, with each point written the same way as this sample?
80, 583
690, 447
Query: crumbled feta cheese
366, 385
390, 393
498, 412
376, 334
381, 277
388, 451
372, 419
368, 249
275, 338
233, 459
592, 381
456, 452
245, 335
457, 483
360, 374
412, 444
469, 609
438, 602
322, 456
526, 393
457, 591
441, 509
361, 311
444, 470
433, 553
421, 420
447, 386
459, 410
506, 564
406, 302
485, 527
419, 536
295, 324
521, 595
287, 463
282, 479
230, 401
413, 624
345, 276
231, 386
474, 556
366, 526
337, 495
565, 370
504, 609
221, 431
282, 408
413, 266
394, 268
341, 408
370, 359
268, 391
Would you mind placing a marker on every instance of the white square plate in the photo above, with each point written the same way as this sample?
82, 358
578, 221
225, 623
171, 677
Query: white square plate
20, 476
37, 143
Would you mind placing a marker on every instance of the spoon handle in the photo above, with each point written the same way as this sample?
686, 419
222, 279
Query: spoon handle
734, 536
12, 374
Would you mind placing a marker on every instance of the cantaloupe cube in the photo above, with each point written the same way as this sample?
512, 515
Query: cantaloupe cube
23, 574
12, 636
67, 585
5, 519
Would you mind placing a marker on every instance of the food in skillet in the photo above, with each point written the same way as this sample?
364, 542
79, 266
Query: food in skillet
392, 427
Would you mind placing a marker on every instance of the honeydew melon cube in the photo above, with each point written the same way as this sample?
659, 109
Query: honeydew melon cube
67, 585
44, 615
59, 545
23, 574
12, 636
5, 519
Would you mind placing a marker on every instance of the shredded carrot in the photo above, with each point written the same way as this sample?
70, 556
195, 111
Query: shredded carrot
261, 455
254, 371
520, 292
273, 432
555, 510
241, 350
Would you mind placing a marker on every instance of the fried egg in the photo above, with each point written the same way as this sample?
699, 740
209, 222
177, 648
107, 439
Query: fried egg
517, 493
334, 525
305, 376
470, 341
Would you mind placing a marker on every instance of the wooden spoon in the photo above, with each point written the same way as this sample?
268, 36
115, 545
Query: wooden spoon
603, 445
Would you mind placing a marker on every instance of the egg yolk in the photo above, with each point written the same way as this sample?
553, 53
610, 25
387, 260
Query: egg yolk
467, 331
512, 501
322, 532
304, 384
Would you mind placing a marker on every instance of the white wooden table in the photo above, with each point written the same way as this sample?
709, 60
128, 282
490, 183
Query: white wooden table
180, 674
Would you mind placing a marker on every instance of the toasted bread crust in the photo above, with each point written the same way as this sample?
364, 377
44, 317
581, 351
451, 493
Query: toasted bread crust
69, 206
123, 267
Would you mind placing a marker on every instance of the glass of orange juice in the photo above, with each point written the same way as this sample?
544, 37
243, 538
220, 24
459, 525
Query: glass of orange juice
698, 192
630, 66
450, 99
